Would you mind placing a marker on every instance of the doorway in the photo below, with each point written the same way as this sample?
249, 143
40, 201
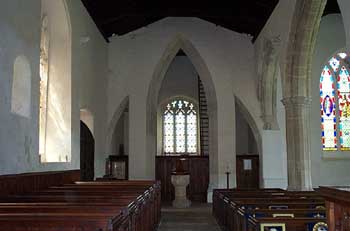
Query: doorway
87, 153
248, 172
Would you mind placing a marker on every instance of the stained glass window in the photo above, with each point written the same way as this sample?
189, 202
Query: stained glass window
343, 85
328, 118
180, 127
169, 130
335, 108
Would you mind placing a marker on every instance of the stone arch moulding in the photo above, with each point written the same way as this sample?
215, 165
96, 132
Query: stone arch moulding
253, 126
180, 42
88, 118
296, 90
117, 114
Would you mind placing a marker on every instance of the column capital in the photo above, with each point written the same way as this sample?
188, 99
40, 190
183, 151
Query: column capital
296, 100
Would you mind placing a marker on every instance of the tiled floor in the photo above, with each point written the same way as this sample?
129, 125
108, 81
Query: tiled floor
198, 218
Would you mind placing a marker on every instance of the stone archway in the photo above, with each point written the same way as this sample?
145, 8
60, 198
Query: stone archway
297, 99
255, 130
179, 42
111, 127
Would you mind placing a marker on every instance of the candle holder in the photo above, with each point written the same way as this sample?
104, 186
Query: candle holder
228, 179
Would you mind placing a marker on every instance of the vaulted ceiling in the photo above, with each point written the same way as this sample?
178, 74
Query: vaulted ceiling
121, 17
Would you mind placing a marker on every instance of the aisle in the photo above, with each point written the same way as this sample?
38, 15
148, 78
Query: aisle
198, 218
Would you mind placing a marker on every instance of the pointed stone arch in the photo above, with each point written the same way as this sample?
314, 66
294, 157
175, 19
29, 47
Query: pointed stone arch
254, 128
180, 42
111, 127
87, 117
251, 122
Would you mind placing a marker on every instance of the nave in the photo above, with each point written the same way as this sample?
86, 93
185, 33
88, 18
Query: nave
197, 217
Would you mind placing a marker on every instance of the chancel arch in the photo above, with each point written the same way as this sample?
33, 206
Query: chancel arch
153, 134
55, 83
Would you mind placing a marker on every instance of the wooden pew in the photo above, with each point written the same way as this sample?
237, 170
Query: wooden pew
92, 206
250, 210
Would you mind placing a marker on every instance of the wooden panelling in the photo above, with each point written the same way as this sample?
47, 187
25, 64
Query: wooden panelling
197, 166
29, 182
338, 207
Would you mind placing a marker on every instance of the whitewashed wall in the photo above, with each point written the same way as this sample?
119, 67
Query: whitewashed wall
274, 141
20, 23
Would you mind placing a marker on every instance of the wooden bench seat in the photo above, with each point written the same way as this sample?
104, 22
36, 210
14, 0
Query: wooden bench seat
62, 222
88, 206
250, 210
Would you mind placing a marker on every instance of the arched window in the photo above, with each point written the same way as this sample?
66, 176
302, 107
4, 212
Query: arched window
55, 131
180, 130
21, 87
335, 103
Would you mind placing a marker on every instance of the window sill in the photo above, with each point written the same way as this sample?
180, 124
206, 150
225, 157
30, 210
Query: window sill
336, 155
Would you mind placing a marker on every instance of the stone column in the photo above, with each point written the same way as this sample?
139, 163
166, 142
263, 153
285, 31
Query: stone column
298, 142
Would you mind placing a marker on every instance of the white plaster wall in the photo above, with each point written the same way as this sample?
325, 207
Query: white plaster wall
20, 35
229, 57
89, 80
274, 148
279, 24
120, 135
242, 137
20, 23
344, 6
331, 38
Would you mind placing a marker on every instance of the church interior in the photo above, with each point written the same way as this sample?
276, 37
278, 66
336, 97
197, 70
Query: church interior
184, 115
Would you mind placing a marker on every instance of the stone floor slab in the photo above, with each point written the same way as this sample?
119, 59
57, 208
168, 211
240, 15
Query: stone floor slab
198, 217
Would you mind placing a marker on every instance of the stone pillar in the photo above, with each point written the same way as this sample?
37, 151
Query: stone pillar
180, 183
298, 142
